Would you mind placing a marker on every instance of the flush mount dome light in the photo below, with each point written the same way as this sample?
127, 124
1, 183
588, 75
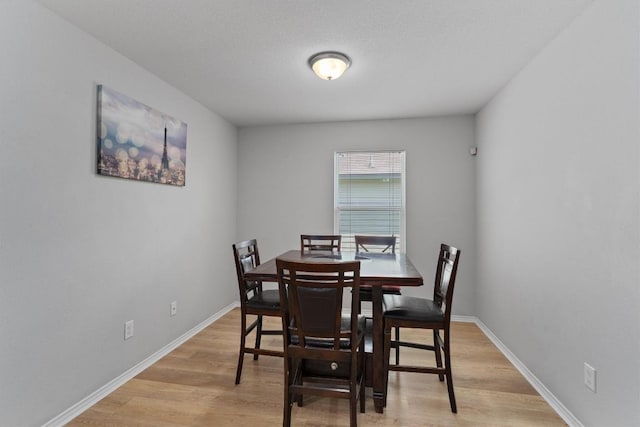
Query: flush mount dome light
329, 65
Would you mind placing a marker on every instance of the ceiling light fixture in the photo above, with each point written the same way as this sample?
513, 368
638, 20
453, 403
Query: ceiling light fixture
329, 65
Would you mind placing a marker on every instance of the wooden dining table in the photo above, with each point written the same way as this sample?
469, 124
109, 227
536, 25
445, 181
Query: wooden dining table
376, 269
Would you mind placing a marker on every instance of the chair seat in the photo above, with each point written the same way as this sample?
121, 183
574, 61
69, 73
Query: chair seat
411, 308
267, 299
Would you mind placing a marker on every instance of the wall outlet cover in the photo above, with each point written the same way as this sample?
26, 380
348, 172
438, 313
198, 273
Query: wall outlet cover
590, 377
173, 308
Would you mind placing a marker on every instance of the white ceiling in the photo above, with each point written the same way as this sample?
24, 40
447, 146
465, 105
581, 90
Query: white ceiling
247, 59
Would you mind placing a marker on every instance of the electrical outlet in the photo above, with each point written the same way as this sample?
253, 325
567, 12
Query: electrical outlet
173, 308
590, 377
128, 329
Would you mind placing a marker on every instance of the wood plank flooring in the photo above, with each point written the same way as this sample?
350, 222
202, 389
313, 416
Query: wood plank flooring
194, 386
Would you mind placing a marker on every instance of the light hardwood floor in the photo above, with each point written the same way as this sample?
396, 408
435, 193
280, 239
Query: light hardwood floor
194, 386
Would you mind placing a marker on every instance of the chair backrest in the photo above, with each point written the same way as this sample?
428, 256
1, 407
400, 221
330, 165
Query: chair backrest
446, 272
247, 258
311, 303
320, 242
384, 244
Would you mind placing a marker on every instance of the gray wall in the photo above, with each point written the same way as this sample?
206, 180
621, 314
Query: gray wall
285, 182
79, 253
558, 215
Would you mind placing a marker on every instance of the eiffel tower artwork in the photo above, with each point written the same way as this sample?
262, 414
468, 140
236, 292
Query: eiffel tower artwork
130, 139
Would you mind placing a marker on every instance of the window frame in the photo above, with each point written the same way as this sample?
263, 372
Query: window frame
403, 185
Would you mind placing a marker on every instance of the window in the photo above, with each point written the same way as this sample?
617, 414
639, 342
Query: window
369, 195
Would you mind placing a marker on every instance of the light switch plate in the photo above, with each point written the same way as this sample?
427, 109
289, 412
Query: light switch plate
128, 329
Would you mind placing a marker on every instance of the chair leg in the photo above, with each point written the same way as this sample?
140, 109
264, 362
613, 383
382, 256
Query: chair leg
447, 362
362, 372
387, 353
353, 409
286, 419
436, 350
397, 345
298, 380
288, 397
243, 336
258, 336
355, 391
300, 398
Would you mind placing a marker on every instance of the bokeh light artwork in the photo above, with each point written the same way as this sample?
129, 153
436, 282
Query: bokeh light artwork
138, 142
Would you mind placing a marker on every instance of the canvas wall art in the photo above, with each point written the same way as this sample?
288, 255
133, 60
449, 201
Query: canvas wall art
137, 142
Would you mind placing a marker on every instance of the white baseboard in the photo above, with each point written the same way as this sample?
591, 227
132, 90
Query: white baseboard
465, 319
557, 406
112, 385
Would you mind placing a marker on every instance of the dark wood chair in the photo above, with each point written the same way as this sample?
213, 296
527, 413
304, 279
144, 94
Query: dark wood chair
410, 312
324, 350
378, 244
320, 242
254, 300
382, 244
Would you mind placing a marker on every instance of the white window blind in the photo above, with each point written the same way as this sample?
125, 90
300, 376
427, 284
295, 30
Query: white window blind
369, 195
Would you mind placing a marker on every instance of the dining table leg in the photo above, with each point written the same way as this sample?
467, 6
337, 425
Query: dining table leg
379, 373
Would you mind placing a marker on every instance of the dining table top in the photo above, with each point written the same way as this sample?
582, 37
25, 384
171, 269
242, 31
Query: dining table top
375, 268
